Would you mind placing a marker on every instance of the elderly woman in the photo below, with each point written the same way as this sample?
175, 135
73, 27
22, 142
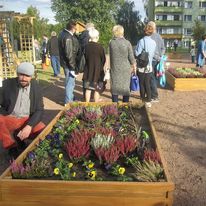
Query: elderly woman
95, 60
121, 61
145, 73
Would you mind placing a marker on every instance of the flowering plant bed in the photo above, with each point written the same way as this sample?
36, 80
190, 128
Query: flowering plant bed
186, 79
102, 150
187, 73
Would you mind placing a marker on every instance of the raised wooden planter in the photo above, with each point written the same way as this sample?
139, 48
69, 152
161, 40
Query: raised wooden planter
38, 192
185, 84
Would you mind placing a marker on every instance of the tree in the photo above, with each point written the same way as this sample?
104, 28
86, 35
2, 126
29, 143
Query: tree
101, 13
40, 24
131, 21
198, 30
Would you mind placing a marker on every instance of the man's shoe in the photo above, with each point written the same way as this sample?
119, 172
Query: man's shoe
155, 99
148, 104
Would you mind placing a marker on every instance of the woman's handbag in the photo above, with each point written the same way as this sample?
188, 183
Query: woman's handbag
134, 83
107, 75
100, 86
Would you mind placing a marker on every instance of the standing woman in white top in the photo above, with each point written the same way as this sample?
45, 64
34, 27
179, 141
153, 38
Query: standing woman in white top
145, 73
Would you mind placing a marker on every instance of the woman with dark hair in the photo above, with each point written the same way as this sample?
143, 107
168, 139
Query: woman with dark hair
201, 52
144, 73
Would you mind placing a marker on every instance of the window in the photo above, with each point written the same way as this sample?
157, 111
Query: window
202, 18
187, 31
187, 17
188, 4
176, 17
164, 17
202, 4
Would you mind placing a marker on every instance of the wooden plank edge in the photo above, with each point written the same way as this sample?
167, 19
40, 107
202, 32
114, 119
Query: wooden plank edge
157, 142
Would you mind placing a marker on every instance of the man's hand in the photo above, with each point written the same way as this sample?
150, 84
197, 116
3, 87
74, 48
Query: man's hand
25, 132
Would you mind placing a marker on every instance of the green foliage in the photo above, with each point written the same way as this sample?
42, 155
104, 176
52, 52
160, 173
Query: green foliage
131, 21
40, 24
148, 171
198, 31
99, 12
119, 171
64, 169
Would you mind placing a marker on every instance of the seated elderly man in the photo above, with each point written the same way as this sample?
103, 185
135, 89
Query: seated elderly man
21, 109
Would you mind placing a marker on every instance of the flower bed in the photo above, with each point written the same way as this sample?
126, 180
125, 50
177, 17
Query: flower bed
187, 73
100, 145
186, 79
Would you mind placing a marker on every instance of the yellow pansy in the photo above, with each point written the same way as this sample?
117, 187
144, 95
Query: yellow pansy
56, 171
70, 165
90, 165
121, 170
60, 156
92, 174
77, 121
74, 174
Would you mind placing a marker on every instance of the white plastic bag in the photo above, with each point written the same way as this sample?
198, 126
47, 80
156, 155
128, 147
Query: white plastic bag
107, 75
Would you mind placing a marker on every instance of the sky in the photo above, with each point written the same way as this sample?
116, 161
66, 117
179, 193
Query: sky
44, 6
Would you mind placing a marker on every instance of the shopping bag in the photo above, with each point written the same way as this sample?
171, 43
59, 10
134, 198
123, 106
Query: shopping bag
47, 61
134, 83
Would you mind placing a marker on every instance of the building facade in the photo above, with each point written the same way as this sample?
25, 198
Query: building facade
175, 18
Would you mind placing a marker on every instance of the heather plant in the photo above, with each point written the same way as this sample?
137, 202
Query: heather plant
110, 111
109, 156
92, 114
37, 167
102, 141
127, 144
148, 171
78, 146
73, 112
151, 155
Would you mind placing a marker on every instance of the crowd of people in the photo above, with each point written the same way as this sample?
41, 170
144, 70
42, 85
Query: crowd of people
85, 54
21, 110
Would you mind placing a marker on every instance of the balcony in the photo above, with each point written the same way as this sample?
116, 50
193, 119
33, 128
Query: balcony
169, 9
168, 23
171, 36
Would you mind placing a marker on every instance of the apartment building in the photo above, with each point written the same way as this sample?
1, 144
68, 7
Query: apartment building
175, 18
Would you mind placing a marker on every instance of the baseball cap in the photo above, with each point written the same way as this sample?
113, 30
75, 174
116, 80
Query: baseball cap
25, 68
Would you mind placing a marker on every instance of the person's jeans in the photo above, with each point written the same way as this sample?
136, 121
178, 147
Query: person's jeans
69, 86
115, 98
153, 83
55, 63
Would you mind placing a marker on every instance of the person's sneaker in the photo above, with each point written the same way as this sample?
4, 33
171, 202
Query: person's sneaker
148, 104
155, 99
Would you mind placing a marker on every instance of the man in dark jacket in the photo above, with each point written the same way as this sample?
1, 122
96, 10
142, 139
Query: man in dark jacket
21, 108
68, 49
53, 51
